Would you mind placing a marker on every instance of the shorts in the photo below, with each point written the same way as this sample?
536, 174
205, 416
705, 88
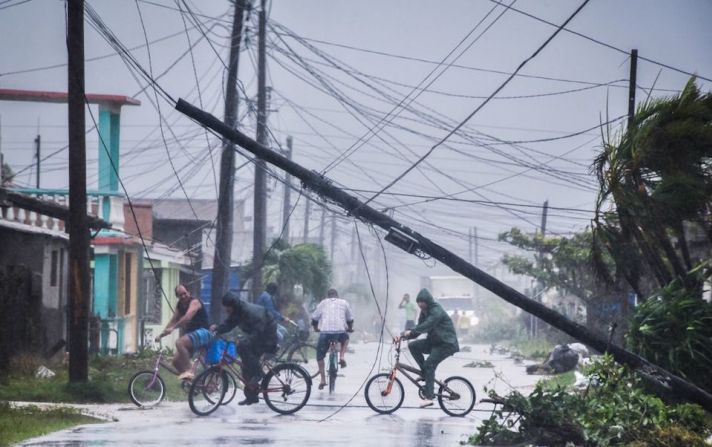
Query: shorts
325, 339
199, 338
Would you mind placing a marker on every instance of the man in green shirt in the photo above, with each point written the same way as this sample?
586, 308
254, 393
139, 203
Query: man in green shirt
411, 311
440, 342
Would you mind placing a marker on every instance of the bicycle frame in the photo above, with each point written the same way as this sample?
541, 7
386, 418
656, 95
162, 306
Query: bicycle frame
231, 363
404, 369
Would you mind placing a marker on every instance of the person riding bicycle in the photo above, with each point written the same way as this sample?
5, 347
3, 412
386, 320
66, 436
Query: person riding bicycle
261, 337
266, 300
440, 343
333, 318
191, 316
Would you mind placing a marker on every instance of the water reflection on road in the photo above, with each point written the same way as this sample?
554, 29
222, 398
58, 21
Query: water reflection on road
322, 422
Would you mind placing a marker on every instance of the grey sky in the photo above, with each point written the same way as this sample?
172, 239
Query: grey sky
676, 33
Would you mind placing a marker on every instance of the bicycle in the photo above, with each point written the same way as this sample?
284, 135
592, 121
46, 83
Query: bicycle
384, 392
296, 348
148, 389
333, 364
285, 387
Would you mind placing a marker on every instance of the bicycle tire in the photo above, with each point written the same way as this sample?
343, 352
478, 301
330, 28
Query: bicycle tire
286, 388
231, 388
465, 400
377, 400
333, 369
207, 391
145, 391
302, 353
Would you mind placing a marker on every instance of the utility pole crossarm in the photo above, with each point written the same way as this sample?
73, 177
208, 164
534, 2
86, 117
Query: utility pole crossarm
324, 187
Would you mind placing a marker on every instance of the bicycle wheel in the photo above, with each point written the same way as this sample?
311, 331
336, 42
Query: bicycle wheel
303, 353
232, 386
456, 396
286, 388
333, 368
207, 391
146, 389
382, 395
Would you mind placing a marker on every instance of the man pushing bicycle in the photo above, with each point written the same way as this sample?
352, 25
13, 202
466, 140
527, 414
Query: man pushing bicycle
440, 343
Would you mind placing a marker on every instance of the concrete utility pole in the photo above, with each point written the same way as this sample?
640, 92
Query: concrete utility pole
77, 224
307, 210
333, 238
322, 227
632, 86
260, 200
37, 154
286, 203
411, 241
224, 227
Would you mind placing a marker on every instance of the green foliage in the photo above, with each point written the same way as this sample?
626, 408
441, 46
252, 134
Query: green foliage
673, 329
561, 262
613, 410
18, 424
303, 264
657, 174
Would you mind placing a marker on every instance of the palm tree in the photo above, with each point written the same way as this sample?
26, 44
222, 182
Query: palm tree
658, 180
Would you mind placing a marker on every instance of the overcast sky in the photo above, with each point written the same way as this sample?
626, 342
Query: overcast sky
337, 68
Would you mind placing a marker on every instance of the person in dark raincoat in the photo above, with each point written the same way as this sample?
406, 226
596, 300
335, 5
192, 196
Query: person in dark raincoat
260, 329
440, 342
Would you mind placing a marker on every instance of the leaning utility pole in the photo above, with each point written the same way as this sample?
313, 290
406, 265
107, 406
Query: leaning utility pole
286, 203
260, 201
412, 242
77, 222
224, 226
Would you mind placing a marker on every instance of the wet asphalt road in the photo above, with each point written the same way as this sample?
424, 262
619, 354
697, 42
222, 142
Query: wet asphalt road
341, 418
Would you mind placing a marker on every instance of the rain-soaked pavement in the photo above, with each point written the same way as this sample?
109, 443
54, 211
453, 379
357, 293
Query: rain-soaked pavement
319, 423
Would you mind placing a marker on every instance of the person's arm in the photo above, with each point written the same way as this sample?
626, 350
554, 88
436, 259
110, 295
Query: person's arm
316, 316
349, 318
193, 308
425, 324
170, 326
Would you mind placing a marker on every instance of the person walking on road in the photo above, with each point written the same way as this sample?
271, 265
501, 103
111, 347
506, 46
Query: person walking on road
440, 342
411, 311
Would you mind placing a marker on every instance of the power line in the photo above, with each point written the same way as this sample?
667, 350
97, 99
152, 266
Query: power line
481, 105
607, 45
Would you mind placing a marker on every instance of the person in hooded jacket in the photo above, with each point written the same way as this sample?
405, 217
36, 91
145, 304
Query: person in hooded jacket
260, 331
440, 342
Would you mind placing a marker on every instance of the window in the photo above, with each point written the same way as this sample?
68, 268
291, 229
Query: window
53, 273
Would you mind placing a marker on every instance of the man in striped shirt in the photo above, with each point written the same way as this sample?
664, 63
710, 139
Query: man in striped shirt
333, 318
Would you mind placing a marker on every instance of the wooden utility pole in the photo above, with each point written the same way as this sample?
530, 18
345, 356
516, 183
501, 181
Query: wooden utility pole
37, 154
224, 226
260, 199
286, 203
307, 210
632, 86
77, 223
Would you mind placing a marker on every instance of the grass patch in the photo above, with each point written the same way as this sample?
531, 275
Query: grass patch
108, 382
558, 380
18, 424
535, 348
